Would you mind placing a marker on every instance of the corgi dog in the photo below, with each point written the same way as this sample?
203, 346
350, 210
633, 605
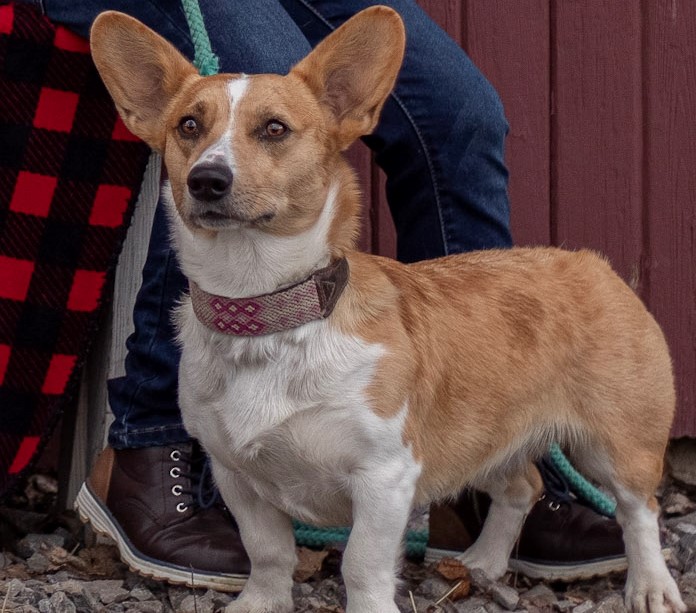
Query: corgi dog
342, 388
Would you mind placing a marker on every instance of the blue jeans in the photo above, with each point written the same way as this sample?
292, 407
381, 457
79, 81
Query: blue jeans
440, 141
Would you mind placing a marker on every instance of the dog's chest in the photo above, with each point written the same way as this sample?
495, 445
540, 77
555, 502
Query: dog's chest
288, 411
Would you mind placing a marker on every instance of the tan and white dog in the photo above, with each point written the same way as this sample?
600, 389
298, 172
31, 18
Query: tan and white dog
425, 378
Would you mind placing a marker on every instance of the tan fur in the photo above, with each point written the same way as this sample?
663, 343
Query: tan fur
485, 345
488, 357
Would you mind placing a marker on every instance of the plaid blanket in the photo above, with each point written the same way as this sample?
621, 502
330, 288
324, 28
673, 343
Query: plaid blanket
69, 173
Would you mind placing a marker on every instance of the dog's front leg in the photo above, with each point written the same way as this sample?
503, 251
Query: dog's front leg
269, 541
381, 509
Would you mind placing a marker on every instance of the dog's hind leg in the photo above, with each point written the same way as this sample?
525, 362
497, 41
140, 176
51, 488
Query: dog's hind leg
632, 478
511, 500
270, 543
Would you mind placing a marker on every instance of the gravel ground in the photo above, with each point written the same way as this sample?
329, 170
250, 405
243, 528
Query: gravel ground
50, 564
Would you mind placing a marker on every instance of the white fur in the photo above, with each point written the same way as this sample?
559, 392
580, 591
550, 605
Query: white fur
649, 586
221, 150
246, 261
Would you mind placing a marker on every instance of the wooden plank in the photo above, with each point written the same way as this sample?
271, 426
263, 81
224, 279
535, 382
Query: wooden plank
360, 158
670, 160
596, 137
509, 42
107, 357
383, 233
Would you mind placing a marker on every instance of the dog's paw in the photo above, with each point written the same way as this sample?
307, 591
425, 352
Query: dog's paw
658, 596
259, 605
493, 566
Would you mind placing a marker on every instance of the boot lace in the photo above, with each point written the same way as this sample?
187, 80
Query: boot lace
194, 468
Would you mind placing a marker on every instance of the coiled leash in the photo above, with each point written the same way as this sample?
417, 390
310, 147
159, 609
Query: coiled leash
208, 64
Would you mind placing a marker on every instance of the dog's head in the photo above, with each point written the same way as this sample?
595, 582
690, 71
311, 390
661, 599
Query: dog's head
250, 151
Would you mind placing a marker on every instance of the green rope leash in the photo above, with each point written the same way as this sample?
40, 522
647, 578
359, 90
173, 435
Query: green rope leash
582, 488
204, 58
310, 536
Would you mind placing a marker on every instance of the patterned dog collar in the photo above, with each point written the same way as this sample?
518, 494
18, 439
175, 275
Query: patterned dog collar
309, 300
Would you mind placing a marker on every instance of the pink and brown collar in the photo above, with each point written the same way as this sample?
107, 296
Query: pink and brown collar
309, 300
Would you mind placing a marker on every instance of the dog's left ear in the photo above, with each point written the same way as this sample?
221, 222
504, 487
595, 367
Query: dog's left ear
353, 69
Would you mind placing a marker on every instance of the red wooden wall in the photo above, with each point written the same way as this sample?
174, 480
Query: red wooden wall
601, 100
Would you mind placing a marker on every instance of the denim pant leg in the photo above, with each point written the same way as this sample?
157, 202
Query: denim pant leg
440, 139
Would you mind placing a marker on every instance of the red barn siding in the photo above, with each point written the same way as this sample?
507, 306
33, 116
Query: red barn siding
601, 99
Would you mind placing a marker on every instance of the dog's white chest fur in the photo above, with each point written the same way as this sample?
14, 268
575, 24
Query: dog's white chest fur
288, 412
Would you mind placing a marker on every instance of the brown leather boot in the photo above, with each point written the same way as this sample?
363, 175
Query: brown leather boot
561, 540
146, 500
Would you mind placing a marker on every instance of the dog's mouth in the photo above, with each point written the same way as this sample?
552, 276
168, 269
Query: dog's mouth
216, 220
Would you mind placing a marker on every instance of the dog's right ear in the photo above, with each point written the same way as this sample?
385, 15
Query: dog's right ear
141, 70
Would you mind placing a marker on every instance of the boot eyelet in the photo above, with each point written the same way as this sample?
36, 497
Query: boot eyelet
181, 507
554, 506
177, 490
175, 472
175, 455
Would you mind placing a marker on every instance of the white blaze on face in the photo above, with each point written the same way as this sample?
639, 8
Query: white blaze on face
220, 152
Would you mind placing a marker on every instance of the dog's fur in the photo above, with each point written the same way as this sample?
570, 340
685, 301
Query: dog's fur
426, 378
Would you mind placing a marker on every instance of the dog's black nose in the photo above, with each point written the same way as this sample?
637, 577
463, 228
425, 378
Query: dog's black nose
209, 182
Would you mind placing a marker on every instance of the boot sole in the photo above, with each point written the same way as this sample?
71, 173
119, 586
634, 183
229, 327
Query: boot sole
548, 572
92, 511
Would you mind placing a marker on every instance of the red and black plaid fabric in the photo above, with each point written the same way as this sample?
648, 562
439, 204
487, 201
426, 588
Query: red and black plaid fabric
69, 174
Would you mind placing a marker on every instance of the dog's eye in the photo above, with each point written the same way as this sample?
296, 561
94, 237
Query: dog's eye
188, 126
275, 128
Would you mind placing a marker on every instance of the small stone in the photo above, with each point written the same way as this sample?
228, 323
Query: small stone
685, 528
194, 603
475, 604
70, 586
141, 593
506, 596
610, 604
91, 598
146, 606
18, 593
681, 460
565, 605
38, 563
36, 543
686, 519
112, 594
539, 596
433, 588
220, 599
585, 607
676, 503
59, 577
301, 590
685, 552
481, 580
493, 607
58, 603
176, 595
